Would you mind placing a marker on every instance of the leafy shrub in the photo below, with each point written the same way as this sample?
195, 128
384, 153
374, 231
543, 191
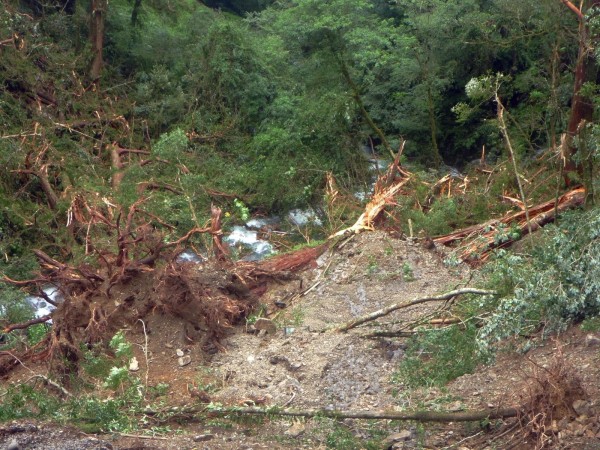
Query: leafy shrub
557, 285
13, 307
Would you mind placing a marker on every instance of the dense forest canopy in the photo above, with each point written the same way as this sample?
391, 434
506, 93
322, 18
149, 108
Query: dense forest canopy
190, 103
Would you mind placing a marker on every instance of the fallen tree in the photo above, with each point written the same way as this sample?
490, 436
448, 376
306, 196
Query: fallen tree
479, 240
122, 283
396, 306
419, 416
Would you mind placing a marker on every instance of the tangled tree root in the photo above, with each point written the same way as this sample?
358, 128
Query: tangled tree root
553, 390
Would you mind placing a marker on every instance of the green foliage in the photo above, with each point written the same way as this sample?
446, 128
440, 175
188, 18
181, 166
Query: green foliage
338, 436
160, 99
407, 272
13, 307
117, 376
555, 286
435, 357
95, 363
24, 401
242, 210
440, 219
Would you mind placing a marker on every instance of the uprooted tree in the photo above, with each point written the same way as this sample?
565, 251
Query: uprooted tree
136, 275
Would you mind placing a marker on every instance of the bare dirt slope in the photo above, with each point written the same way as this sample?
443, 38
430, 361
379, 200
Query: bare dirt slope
302, 364
311, 367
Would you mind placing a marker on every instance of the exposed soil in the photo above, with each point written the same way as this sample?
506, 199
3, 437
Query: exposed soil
303, 365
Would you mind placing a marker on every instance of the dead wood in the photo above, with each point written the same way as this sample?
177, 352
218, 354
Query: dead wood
387, 310
54, 384
292, 261
150, 186
552, 390
221, 251
387, 187
419, 416
483, 238
23, 325
23, 283
42, 175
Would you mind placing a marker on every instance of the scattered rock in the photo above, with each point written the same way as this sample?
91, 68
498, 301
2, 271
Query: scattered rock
14, 445
401, 436
169, 345
179, 352
134, 365
592, 340
296, 429
203, 437
563, 423
582, 408
455, 407
266, 325
184, 360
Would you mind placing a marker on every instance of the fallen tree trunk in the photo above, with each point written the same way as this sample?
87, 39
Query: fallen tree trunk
485, 235
419, 416
388, 309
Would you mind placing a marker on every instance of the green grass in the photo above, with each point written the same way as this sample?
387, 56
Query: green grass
435, 357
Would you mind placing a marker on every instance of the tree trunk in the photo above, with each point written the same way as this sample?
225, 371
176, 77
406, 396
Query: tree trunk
98, 16
582, 109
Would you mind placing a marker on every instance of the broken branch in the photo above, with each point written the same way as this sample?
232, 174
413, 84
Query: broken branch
385, 311
23, 325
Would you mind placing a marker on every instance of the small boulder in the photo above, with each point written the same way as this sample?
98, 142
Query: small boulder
184, 360
134, 365
582, 408
404, 435
266, 325
203, 437
296, 429
592, 340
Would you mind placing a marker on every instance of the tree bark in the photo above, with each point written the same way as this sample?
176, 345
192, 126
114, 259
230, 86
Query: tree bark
419, 416
98, 17
582, 109
23, 325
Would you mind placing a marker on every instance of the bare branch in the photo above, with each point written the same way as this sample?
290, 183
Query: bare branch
574, 8
385, 311
23, 325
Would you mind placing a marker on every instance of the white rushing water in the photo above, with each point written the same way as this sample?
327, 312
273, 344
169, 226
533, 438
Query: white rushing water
303, 217
243, 236
40, 305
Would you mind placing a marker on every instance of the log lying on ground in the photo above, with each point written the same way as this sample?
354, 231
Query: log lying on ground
484, 235
388, 309
419, 416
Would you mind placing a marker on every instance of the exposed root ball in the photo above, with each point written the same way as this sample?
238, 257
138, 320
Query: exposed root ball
553, 390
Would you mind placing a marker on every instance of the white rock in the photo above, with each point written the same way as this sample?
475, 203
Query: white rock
134, 365
184, 360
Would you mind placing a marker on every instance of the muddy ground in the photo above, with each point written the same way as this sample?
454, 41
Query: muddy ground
305, 365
